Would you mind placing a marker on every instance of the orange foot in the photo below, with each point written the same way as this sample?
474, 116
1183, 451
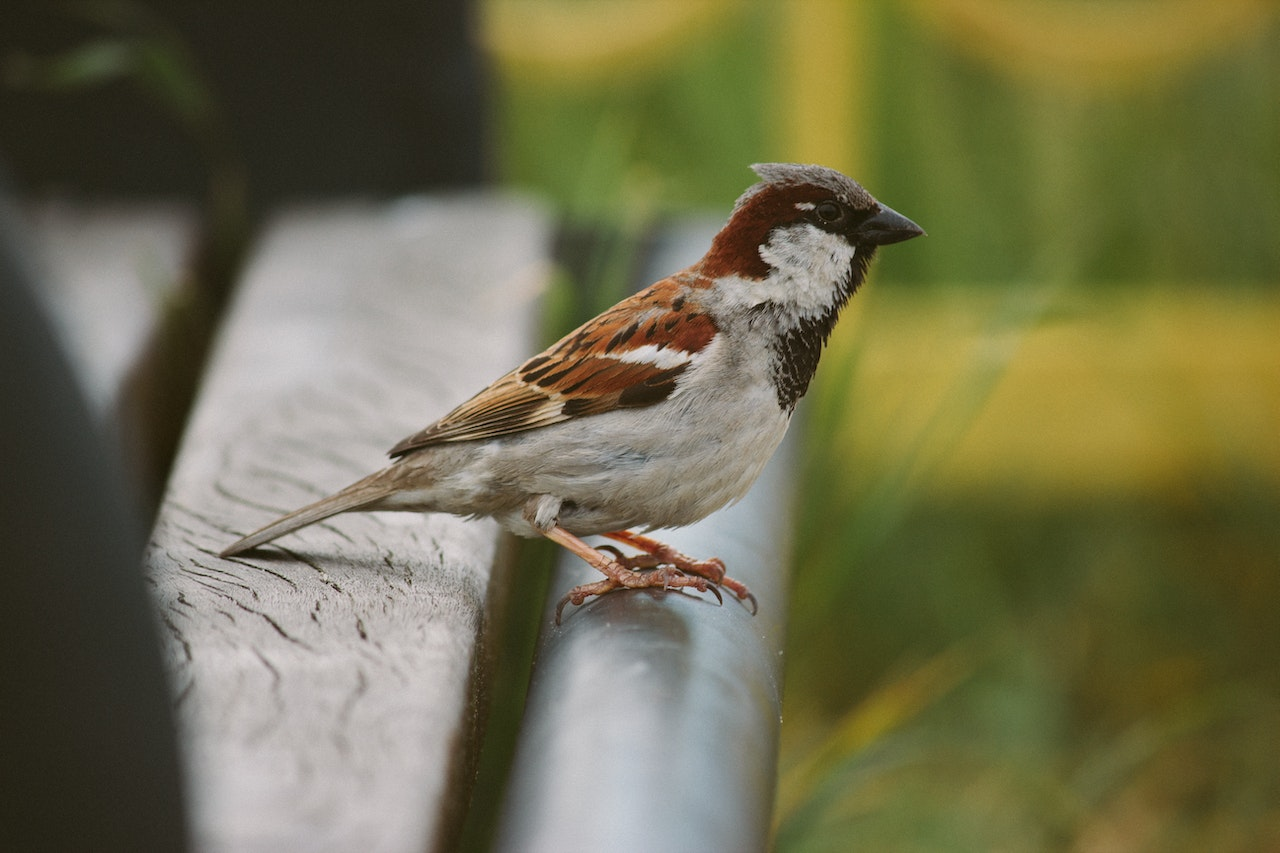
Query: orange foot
660, 566
663, 554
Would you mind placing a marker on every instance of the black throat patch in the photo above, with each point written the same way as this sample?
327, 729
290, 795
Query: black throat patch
796, 350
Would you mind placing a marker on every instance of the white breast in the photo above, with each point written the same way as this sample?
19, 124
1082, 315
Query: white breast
665, 465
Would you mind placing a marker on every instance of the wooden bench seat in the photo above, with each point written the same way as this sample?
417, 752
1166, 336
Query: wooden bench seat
328, 695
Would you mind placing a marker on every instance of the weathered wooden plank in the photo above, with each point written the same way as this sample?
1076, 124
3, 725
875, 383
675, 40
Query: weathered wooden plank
652, 719
328, 692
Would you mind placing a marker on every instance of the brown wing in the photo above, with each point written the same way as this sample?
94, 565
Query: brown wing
632, 355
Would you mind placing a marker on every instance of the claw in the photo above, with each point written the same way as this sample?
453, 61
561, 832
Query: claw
618, 556
713, 569
658, 567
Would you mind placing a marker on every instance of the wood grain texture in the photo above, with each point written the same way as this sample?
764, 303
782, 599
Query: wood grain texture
328, 687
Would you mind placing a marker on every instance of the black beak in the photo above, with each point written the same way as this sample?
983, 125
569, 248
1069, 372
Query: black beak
887, 226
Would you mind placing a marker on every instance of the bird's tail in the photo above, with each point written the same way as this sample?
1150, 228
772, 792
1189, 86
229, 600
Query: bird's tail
363, 494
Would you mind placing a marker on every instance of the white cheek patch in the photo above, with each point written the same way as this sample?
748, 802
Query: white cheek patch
808, 263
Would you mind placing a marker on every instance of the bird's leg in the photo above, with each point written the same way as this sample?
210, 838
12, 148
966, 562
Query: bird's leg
712, 569
618, 576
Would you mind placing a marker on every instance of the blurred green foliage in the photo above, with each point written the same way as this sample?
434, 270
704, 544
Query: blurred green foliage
1169, 175
680, 135
1175, 177
1037, 581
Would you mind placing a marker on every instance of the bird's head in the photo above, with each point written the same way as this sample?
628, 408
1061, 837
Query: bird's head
801, 238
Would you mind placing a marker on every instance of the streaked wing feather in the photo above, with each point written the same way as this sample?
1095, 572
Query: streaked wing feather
630, 356
507, 406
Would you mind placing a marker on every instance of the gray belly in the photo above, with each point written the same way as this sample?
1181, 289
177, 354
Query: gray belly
681, 469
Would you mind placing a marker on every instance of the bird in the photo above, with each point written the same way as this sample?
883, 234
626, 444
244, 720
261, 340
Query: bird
659, 411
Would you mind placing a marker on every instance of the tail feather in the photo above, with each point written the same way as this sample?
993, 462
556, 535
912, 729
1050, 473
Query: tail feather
361, 495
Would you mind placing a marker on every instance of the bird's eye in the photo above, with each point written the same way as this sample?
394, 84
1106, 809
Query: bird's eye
829, 211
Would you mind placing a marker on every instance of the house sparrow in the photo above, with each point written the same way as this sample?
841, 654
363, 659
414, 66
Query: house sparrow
659, 411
